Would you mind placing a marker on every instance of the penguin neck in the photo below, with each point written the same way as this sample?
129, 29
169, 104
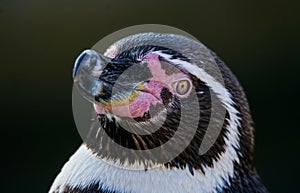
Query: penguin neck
85, 172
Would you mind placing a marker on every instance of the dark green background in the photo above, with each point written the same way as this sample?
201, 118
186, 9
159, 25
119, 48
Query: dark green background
39, 41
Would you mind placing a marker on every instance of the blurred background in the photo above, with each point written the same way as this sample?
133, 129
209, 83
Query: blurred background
39, 41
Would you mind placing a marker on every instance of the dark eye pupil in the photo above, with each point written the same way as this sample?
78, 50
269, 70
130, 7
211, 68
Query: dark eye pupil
182, 87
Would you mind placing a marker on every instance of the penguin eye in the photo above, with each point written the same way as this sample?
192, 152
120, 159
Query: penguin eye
181, 87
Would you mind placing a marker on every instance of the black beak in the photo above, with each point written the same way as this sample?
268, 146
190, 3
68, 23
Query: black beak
96, 76
87, 69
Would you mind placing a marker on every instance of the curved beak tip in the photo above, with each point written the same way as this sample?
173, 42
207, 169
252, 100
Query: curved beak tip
78, 62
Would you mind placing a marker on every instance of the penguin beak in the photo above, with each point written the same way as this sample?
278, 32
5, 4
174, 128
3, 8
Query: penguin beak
87, 69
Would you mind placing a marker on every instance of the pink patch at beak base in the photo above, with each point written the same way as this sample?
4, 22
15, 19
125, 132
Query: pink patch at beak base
134, 109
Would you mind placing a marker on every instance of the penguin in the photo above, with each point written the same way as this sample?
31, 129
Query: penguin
158, 98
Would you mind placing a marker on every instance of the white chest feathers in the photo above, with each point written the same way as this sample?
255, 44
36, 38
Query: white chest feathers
84, 169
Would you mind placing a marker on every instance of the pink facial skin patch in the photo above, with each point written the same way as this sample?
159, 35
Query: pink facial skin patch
99, 109
140, 105
159, 74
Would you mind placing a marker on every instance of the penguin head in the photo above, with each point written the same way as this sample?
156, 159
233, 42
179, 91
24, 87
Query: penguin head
151, 89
